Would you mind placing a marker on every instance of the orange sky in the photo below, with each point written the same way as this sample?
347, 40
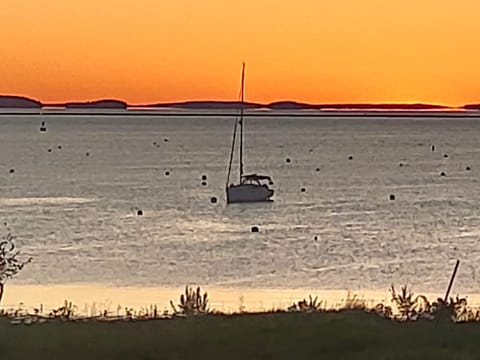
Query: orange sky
307, 50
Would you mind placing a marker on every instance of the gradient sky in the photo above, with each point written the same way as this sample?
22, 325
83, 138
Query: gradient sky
307, 50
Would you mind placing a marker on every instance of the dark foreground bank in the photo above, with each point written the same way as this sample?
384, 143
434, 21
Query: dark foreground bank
325, 335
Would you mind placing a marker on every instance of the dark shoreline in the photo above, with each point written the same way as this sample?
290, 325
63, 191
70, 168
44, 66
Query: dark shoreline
262, 114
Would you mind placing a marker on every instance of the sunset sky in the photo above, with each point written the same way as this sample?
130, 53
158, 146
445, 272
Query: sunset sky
308, 50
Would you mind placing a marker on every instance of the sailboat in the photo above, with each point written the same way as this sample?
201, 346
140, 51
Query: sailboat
250, 187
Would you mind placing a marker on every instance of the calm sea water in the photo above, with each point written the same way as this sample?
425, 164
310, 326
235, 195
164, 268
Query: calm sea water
76, 214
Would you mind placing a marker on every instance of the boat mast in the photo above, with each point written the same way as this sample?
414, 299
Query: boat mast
232, 149
242, 100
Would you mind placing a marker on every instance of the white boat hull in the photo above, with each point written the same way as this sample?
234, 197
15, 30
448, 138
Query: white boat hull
248, 193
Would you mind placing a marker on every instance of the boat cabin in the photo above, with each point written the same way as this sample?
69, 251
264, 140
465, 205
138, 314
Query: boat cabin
254, 179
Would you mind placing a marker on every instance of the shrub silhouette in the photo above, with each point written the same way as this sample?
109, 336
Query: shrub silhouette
191, 303
65, 312
307, 306
410, 306
10, 264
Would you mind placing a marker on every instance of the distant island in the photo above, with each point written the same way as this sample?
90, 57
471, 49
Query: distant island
472, 107
198, 105
13, 102
288, 105
98, 104
18, 102
293, 105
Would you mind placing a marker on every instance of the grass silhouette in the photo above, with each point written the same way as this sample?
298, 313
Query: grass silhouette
305, 330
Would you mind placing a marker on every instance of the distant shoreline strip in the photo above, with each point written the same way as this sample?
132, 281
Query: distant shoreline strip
339, 114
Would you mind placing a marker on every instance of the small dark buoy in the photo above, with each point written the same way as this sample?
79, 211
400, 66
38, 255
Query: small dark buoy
139, 212
311, 150
445, 156
401, 164
468, 168
433, 147
315, 238
166, 139
317, 169
49, 150
167, 173
59, 147
154, 143
204, 177
87, 154
12, 171
350, 157
442, 174
288, 160
255, 229
213, 200
303, 189
392, 197
204, 183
